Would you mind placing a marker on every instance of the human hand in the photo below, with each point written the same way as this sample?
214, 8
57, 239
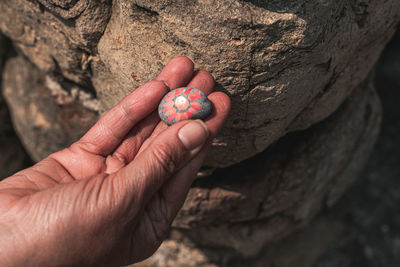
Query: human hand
110, 198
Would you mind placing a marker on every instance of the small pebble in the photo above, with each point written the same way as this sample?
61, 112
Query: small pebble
184, 103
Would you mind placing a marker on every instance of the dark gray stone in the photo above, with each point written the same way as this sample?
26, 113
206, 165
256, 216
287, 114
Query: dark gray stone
184, 104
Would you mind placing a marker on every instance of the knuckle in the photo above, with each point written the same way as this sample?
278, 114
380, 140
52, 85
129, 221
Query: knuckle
126, 110
157, 82
166, 157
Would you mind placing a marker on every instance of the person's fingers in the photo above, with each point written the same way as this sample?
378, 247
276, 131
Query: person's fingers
201, 80
164, 205
175, 190
86, 157
167, 153
112, 127
177, 72
109, 131
131, 144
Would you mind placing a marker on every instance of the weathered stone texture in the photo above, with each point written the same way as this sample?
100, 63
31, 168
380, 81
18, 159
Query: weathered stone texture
45, 122
57, 36
300, 249
372, 223
13, 156
240, 212
286, 65
2, 49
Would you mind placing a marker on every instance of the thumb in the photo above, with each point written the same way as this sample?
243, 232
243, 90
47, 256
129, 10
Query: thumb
167, 153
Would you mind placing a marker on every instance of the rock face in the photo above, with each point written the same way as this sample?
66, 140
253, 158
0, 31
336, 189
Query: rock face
57, 36
45, 119
389, 67
300, 250
2, 48
371, 234
13, 156
286, 65
238, 213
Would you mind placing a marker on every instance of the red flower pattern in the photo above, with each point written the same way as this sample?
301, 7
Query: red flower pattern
180, 104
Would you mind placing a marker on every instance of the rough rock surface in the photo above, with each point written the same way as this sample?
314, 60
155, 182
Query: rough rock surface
2, 49
371, 237
45, 122
389, 67
57, 36
361, 231
301, 249
13, 156
287, 65
239, 212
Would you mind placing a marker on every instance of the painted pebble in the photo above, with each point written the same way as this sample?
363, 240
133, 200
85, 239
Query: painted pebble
184, 103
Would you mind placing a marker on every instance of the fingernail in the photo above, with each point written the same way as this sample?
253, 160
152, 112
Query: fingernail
193, 134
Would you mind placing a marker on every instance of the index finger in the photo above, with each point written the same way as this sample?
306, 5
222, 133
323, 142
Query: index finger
111, 129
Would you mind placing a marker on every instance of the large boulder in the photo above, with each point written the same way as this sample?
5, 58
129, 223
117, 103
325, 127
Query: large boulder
287, 65
241, 213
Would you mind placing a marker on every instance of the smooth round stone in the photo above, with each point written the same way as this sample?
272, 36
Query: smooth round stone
184, 103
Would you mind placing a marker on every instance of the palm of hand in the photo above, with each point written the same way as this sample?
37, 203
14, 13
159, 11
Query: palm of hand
111, 197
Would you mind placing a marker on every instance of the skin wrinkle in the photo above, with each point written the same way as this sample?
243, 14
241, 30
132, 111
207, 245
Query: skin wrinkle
55, 168
158, 218
66, 175
165, 157
108, 131
130, 146
144, 103
116, 199
83, 145
74, 151
8, 231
